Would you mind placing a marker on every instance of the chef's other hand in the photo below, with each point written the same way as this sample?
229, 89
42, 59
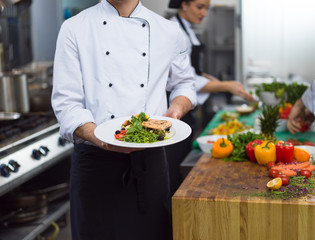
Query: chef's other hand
86, 132
178, 108
114, 148
238, 89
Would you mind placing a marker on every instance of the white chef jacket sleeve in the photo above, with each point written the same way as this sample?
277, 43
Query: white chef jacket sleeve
68, 99
308, 98
181, 80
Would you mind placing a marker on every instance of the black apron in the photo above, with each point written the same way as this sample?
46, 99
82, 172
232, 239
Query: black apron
119, 196
197, 50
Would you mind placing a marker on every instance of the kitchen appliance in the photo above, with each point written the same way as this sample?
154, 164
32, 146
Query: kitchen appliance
14, 93
30, 146
5, 3
15, 34
21, 92
7, 94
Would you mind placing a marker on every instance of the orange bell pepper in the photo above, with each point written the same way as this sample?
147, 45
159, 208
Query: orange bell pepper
222, 148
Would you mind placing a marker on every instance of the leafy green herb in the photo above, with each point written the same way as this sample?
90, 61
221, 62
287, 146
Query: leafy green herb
136, 133
286, 92
294, 91
239, 141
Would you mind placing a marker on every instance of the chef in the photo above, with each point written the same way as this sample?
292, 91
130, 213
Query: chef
116, 59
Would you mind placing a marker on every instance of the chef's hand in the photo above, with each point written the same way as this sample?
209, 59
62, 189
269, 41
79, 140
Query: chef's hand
114, 148
178, 107
86, 132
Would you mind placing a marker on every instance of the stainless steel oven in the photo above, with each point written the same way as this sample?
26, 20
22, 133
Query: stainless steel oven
32, 157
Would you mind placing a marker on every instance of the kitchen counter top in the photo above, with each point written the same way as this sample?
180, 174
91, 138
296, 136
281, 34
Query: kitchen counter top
213, 202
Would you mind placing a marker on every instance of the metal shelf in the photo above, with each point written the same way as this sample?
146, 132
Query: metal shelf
33, 229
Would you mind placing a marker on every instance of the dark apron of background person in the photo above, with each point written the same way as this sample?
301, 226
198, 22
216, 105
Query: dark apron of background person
176, 153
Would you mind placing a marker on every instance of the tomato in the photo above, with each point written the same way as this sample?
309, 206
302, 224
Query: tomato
273, 172
306, 173
284, 178
123, 132
270, 165
120, 136
280, 163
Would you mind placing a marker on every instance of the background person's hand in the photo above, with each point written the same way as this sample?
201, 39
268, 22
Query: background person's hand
238, 89
300, 118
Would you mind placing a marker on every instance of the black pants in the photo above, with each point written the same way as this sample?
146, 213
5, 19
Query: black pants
118, 196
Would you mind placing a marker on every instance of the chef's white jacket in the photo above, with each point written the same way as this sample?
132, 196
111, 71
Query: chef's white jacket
308, 98
193, 40
107, 66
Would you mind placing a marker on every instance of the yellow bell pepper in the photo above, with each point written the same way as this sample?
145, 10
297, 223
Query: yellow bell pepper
222, 148
265, 152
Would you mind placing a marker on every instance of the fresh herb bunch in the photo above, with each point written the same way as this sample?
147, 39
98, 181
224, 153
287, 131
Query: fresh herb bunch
294, 92
269, 120
298, 187
286, 92
239, 141
278, 88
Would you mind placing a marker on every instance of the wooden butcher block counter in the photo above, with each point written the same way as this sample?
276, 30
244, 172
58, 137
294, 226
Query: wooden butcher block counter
213, 203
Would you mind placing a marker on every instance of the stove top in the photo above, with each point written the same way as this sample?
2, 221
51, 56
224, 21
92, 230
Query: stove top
28, 146
14, 130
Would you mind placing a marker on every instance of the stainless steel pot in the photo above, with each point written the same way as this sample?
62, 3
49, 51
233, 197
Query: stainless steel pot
7, 94
21, 92
14, 95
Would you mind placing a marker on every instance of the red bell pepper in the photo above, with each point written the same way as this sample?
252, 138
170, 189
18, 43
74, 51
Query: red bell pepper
284, 152
250, 149
286, 112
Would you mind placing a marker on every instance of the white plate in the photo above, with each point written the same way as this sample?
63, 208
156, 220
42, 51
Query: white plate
106, 131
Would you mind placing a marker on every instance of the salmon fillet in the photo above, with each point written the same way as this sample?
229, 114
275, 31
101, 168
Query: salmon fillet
157, 124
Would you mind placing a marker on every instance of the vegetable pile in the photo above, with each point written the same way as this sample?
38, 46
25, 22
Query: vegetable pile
240, 142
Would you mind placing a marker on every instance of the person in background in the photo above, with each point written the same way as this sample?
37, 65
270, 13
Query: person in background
303, 111
192, 12
117, 59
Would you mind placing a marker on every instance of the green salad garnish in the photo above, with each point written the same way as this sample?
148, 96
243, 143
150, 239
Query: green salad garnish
136, 133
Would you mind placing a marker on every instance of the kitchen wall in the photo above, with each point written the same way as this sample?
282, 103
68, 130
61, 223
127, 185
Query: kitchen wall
45, 27
159, 6
279, 37
46, 19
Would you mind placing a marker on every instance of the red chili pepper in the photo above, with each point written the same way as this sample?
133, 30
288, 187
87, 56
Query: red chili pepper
284, 152
250, 149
